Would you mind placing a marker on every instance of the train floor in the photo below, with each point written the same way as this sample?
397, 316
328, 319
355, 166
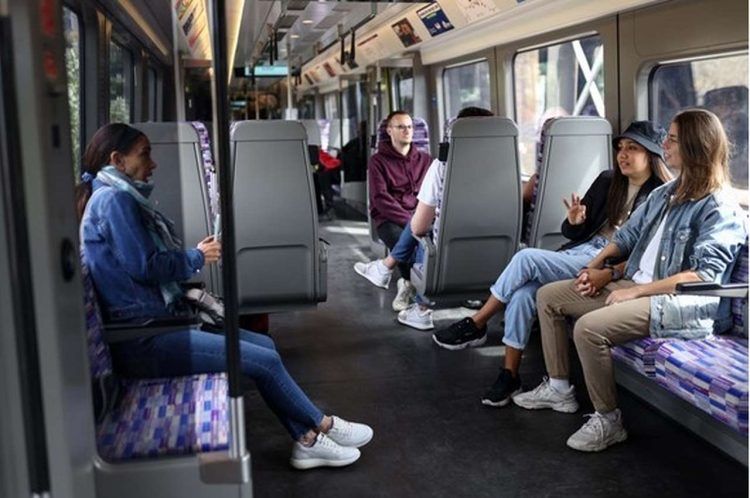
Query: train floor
433, 437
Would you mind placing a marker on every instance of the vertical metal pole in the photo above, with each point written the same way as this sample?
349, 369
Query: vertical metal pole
231, 325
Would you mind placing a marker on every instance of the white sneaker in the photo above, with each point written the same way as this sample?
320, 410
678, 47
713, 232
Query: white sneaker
416, 318
324, 452
372, 273
349, 434
599, 433
545, 396
406, 292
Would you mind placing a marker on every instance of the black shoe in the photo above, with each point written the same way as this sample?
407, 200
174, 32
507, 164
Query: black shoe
504, 388
460, 335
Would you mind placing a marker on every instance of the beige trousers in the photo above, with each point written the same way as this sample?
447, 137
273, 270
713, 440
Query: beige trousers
597, 329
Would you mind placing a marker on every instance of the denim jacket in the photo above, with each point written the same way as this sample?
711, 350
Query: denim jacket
124, 262
703, 236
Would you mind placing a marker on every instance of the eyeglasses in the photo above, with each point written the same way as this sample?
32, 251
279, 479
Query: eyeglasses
402, 127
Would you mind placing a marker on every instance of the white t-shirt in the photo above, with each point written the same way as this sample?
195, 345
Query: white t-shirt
431, 191
645, 273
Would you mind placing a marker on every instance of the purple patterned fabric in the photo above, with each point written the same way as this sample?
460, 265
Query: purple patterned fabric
711, 374
639, 354
420, 138
209, 167
99, 355
539, 160
166, 417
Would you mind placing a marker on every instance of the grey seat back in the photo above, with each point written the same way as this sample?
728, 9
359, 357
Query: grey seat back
576, 150
480, 220
281, 263
313, 131
181, 189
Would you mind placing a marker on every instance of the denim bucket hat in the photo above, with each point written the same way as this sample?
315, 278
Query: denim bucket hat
647, 134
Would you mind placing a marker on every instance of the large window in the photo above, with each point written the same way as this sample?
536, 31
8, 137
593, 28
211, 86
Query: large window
120, 83
73, 67
306, 107
403, 85
556, 80
718, 84
466, 85
152, 90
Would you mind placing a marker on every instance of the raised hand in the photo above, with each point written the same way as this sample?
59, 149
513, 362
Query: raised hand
211, 249
576, 210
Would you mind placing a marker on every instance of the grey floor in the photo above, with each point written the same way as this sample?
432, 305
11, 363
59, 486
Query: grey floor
432, 436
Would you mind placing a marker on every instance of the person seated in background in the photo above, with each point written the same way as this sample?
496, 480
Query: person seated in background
137, 261
688, 230
395, 174
589, 225
405, 251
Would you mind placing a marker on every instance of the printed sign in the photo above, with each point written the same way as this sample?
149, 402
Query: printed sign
476, 9
405, 32
371, 48
193, 22
434, 19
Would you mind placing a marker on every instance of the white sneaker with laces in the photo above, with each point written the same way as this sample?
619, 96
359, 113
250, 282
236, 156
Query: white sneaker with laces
372, 273
324, 452
599, 432
416, 318
405, 293
545, 396
349, 434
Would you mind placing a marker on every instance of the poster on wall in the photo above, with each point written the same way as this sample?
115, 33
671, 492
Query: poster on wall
329, 69
193, 21
476, 9
371, 48
434, 19
406, 33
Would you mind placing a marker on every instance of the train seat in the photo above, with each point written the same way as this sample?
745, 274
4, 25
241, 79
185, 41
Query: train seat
574, 150
421, 140
480, 220
147, 418
186, 192
281, 262
710, 374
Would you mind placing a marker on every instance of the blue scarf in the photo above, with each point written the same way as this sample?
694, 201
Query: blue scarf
159, 227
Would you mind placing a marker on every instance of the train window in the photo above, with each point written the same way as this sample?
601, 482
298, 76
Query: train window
719, 84
466, 85
306, 107
152, 83
120, 83
331, 105
73, 68
403, 79
557, 80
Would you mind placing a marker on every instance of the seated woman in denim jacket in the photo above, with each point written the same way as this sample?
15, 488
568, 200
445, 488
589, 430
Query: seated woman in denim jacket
687, 231
136, 262
590, 224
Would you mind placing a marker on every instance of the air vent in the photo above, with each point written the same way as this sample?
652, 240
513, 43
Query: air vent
286, 22
329, 21
296, 4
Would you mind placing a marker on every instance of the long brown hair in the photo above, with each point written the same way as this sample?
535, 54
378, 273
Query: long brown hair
618, 188
704, 148
114, 137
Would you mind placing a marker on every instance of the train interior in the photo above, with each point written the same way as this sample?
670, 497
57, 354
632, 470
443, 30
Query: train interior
270, 123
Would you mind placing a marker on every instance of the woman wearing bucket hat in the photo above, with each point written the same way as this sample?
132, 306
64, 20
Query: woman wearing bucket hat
591, 221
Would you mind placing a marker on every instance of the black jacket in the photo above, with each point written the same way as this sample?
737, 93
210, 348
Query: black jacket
595, 201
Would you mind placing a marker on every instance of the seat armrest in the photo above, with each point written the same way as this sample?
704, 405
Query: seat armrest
738, 290
126, 331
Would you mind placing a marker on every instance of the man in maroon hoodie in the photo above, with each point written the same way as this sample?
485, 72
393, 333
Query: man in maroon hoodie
395, 173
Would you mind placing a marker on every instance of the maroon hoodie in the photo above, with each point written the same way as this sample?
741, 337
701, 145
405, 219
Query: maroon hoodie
394, 183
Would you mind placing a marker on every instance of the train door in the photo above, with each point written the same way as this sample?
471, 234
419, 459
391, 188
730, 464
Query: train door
47, 417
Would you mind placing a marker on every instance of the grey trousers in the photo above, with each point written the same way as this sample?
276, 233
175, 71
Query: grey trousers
597, 329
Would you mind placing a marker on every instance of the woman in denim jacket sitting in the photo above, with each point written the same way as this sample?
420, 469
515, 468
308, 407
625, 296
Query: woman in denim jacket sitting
687, 231
136, 261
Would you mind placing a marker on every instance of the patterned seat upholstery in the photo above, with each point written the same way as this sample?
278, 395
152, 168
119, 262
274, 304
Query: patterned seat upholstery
711, 373
539, 159
142, 418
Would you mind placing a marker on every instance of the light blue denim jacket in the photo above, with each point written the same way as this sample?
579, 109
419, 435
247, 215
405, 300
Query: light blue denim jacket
703, 236
125, 264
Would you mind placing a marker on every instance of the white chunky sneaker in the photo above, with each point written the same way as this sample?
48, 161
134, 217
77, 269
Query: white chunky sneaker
416, 318
349, 434
406, 292
599, 432
325, 452
373, 273
545, 396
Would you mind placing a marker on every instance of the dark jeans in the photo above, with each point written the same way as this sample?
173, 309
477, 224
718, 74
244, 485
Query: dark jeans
389, 233
194, 352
